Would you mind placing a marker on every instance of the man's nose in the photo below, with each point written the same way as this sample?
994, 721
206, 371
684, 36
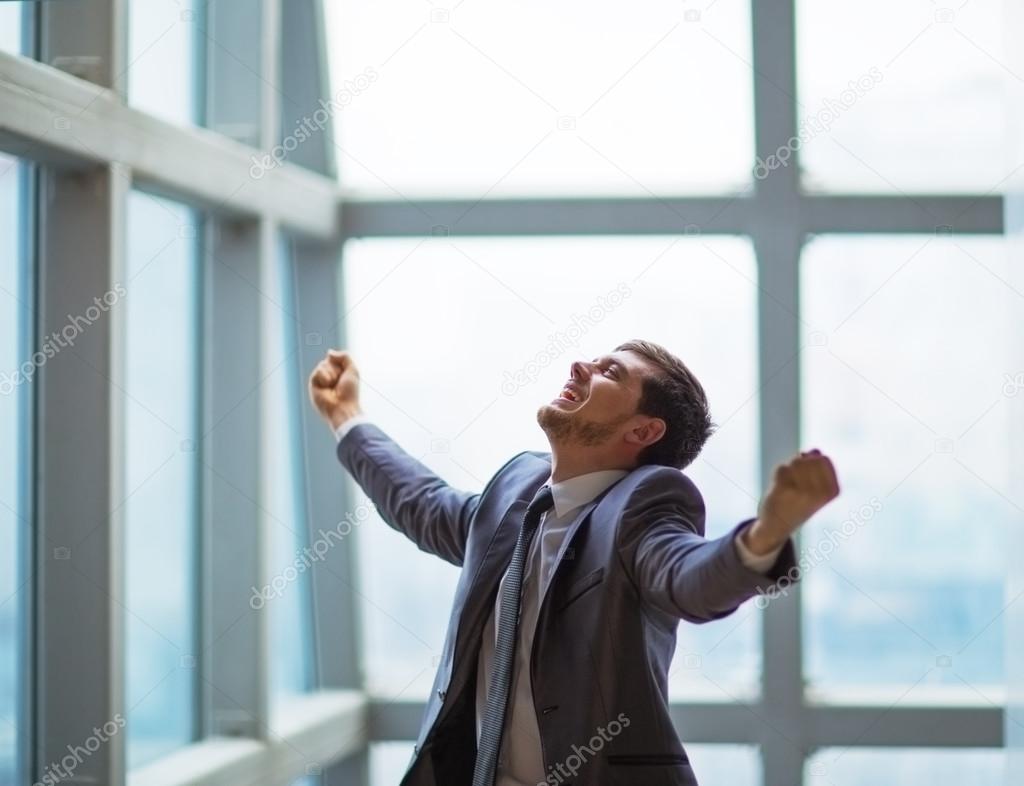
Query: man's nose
580, 370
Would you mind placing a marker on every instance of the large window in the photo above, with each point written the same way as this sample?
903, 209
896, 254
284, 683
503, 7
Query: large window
875, 348
507, 317
446, 100
162, 299
801, 198
16, 373
905, 344
902, 97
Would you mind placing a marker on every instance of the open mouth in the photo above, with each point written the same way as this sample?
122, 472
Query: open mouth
570, 395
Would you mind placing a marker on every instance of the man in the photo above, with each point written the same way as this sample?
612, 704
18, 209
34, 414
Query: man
577, 566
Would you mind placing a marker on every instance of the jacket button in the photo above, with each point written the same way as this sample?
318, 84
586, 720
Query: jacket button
547, 710
441, 694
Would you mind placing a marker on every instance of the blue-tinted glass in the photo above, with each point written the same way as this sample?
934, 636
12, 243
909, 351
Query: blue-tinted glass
388, 762
290, 561
905, 766
162, 38
725, 765
907, 385
506, 319
10, 27
162, 302
15, 314
714, 765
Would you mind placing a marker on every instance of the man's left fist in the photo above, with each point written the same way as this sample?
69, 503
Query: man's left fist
800, 488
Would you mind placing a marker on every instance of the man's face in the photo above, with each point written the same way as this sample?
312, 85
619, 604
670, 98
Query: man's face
596, 401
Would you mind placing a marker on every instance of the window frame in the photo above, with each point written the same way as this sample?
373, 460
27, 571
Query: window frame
87, 164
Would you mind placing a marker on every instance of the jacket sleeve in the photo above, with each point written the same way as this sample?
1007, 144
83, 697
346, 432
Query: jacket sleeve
408, 495
675, 568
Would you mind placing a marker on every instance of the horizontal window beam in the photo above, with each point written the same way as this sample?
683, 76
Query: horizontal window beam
910, 213
740, 214
53, 117
885, 726
309, 733
824, 726
556, 216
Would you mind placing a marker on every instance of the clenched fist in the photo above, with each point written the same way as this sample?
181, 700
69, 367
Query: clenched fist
800, 488
334, 387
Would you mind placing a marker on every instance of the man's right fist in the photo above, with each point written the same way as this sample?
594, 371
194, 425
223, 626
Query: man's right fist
334, 387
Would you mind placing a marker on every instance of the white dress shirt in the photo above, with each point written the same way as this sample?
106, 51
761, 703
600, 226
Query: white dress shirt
520, 762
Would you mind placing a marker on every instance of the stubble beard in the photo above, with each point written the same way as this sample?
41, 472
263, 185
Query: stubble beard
566, 428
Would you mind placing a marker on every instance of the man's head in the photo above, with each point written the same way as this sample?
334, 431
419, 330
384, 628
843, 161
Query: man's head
638, 405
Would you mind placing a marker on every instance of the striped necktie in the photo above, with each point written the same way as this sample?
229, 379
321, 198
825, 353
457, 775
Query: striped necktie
504, 648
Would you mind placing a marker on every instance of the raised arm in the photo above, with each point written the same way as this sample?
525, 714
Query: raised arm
683, 574
674, 567
409, 496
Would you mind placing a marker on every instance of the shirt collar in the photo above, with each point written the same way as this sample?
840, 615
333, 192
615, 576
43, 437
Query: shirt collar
575, 492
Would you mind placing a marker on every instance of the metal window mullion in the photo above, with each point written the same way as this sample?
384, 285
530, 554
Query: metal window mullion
778, 235
316, 264
79, 490
329, 501
234, 641
782, 694
79, 468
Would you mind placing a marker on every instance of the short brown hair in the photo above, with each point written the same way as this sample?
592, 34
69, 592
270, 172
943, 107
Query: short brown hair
676, 397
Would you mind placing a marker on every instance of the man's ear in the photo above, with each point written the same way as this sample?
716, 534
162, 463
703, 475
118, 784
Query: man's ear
647, 432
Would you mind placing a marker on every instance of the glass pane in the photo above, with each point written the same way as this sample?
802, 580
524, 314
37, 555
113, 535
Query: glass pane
161, 467
15, 370
901, 97
162, 38
725, 765
290, 606
388, 762
906, 345
541, 98
10, 27
905, 766
694, 295
714, 765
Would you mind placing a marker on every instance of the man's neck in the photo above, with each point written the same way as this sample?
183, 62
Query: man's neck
569, 463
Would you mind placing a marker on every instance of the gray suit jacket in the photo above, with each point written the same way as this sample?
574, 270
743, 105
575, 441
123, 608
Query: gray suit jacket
607, 629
